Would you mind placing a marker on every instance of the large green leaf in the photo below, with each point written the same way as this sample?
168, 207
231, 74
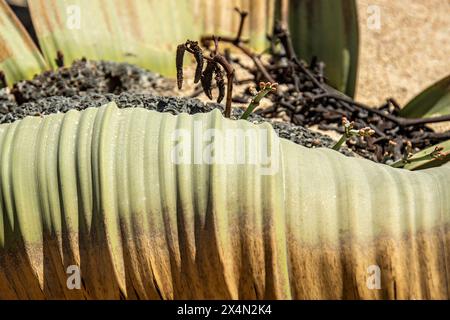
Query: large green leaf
19, 57
100, 189
142, 32
433, 101
329, 30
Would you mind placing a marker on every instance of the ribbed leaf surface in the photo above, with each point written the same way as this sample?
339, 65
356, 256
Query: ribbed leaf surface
100, 189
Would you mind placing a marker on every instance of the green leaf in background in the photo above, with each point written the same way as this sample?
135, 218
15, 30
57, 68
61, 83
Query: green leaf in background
142, 32
329, 30
425, 164
99, 189
433, 101
19, 57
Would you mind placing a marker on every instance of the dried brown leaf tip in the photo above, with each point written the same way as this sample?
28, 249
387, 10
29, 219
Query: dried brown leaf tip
220, 81
179, 64
59, 59
198, 55
206, 79
3, 83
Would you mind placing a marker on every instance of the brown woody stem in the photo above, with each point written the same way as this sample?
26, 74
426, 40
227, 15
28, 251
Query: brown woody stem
230, 78
259, 65
403, 122
243, 15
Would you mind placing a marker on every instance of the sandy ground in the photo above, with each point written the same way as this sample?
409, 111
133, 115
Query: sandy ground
408, 52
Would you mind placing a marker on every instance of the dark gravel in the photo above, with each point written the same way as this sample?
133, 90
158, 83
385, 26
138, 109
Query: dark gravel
297, 134
86, 77
92, 84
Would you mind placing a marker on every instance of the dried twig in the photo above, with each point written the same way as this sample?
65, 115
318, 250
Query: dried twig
403, 122
179, 64
200, 89
3, 83
59, 60
243, 15
213, 63
206, 79
238, 43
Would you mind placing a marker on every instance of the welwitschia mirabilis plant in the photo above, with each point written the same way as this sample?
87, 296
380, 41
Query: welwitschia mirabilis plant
150, 205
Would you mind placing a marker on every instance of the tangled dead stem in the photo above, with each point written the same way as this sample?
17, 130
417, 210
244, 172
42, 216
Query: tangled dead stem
306, 99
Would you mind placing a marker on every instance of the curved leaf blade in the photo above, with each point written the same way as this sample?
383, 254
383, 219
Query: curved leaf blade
111, 197
433, 101
19, 57
328, 30
142, 32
